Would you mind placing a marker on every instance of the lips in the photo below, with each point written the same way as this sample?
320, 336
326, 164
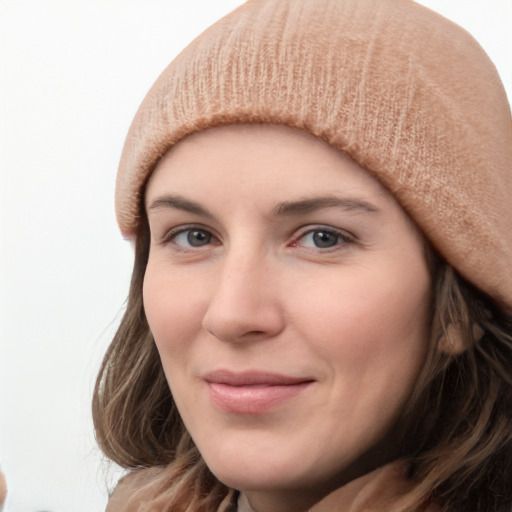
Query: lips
252, 392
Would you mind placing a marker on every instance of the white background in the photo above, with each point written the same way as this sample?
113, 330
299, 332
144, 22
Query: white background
72, 74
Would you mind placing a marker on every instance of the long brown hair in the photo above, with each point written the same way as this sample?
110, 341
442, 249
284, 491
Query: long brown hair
457, 434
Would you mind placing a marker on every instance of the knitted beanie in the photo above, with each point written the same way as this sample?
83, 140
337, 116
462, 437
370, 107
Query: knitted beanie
407, 94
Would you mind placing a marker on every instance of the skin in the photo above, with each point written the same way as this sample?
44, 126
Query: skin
273, 252
3, 490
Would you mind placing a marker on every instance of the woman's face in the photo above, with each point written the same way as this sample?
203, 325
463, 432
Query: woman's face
288, 296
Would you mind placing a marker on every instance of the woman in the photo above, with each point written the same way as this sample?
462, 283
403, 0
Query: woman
320, 310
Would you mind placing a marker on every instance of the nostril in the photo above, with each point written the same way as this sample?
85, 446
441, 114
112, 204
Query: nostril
234, 315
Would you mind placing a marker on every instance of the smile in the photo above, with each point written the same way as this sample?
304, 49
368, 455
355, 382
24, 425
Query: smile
252, 392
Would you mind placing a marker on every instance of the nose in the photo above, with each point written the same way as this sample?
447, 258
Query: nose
244, 304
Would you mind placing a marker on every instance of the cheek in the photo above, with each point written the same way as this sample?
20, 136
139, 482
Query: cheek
371, 325
173, 311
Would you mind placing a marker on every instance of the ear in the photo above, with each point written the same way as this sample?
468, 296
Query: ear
455, 341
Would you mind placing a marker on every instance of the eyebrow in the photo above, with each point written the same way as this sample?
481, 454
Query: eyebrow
317, 203
286, 208
178, 203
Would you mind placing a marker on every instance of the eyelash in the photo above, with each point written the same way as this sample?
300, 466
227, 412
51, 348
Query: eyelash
171, 236
341, 237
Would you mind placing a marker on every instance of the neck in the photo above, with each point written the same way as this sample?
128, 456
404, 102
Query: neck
380, 484
303, 501
344, 491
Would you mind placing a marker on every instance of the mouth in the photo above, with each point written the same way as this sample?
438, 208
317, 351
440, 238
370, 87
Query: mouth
252, 392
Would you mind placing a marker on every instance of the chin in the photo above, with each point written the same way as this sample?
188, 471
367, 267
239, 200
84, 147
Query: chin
247, 475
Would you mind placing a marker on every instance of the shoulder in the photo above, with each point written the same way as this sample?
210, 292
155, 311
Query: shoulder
131, 490
151, 490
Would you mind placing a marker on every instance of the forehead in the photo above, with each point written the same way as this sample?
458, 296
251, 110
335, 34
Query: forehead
274, 160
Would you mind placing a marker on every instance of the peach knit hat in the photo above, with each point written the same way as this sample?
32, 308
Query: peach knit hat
407, 94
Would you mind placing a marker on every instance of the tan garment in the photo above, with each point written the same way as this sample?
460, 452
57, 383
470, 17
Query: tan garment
127, 488
377, 495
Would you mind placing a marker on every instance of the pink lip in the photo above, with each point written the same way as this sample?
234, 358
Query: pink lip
252, 392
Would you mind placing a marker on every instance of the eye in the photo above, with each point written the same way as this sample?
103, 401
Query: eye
322, 238
193, 237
